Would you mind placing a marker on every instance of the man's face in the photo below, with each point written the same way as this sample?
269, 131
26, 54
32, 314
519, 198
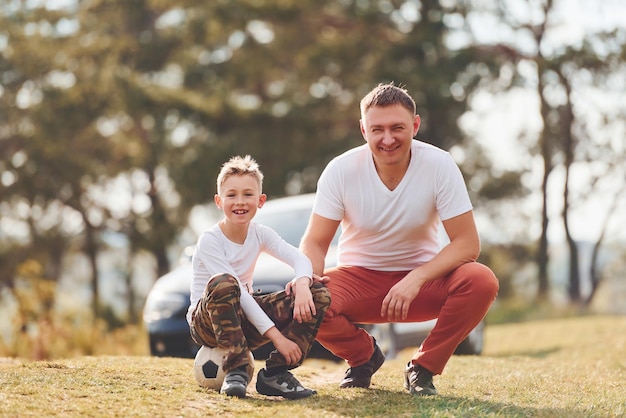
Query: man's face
389, 132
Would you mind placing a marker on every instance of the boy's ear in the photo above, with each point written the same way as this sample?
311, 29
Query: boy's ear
262, 200
218, 201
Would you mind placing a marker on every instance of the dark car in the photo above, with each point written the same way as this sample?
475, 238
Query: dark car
168, 300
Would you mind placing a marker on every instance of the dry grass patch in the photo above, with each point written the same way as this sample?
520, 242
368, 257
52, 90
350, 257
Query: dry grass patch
554, 368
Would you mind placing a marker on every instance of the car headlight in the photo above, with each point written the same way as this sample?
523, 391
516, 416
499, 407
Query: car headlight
164, 305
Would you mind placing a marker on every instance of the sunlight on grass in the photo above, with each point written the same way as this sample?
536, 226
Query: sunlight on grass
553, 368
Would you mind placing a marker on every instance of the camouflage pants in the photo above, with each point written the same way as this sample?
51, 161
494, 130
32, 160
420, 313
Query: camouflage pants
218, 320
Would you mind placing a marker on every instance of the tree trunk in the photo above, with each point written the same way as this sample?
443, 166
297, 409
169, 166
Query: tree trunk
133, 317
569, 148
595, 272
92, 254
546, 153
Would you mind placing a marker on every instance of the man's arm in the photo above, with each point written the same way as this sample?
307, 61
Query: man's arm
464, 247
316, 240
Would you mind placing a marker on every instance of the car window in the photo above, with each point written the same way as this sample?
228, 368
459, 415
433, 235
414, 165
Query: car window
289, 224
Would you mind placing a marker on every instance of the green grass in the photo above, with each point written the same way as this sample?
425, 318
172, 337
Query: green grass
573, 367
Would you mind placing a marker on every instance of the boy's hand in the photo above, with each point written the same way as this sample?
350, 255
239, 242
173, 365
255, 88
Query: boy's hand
290, 286
289, 350
303, 306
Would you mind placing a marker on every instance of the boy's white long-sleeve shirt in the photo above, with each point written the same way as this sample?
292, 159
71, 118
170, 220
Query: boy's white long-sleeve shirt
216, 254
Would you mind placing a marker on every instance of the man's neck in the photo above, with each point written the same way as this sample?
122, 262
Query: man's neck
392, 174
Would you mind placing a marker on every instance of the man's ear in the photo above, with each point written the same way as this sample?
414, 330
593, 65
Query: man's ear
362, 127
262, 200
417, 121
218, 201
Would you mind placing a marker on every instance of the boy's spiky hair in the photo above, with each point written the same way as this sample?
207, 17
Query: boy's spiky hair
239, 166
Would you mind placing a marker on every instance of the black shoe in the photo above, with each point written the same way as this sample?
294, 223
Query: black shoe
283, 384
235, 383
361, 376
418, 380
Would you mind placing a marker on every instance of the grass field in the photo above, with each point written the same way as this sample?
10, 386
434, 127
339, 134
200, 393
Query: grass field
554, 368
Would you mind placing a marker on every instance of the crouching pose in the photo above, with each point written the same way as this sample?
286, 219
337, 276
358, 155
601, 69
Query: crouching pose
389, 195
224, 313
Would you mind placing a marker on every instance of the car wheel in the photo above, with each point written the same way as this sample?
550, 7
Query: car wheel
473, 344
385, 338
156, 347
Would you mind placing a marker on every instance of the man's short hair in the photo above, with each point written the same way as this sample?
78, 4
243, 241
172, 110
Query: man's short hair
385, 95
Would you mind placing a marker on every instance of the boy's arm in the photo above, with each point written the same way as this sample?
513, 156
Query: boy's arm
278, 248
254, 313
210, 256
303, 307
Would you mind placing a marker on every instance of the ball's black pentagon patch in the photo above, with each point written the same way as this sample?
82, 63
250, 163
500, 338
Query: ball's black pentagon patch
209, 369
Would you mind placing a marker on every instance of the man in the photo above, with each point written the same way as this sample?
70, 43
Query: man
389, 195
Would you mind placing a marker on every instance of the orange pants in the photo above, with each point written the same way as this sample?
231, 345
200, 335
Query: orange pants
459, 300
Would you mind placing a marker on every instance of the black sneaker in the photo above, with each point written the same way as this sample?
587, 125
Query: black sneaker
361, 376
283, 384
418, 380
235, 383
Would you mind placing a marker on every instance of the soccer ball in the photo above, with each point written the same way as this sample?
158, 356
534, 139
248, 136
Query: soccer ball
208, 369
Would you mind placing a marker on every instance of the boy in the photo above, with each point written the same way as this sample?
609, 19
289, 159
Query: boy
223, 311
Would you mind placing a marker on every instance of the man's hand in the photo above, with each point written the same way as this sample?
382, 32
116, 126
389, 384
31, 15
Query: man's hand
396, 304
321, 279
464, 247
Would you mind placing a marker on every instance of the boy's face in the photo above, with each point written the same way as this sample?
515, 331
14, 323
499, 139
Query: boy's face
239, 198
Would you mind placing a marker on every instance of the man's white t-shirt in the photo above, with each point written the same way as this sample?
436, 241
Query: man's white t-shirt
390, 230
216, 254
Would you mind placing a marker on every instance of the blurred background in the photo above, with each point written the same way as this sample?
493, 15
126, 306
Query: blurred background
116, 115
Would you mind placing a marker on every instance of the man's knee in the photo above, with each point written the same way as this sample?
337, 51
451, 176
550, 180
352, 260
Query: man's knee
482, 279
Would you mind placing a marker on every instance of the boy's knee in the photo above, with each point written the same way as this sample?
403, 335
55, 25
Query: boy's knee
321, 294
223, 282
320, 288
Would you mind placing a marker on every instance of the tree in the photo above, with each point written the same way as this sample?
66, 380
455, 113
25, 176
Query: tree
44, 149
565, 77
150, 98
116, 115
